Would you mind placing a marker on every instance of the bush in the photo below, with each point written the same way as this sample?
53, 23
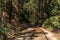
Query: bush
3, 30
52, 22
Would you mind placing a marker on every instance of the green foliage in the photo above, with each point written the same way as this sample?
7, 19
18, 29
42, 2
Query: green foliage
52, 22
58, 1
31, 5
3, 30
56, 9
32, 8
35, 10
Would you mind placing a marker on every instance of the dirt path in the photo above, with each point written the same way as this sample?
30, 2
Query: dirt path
49, 34
36, 34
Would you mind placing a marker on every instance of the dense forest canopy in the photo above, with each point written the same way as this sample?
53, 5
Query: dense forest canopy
34, 13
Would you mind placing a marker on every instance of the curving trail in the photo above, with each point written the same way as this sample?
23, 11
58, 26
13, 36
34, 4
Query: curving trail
49, 34
40, 33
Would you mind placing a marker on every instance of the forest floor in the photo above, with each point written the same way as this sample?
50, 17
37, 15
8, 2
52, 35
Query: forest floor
37, 34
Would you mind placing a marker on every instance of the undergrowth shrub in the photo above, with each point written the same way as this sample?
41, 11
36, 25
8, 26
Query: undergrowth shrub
52, 23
